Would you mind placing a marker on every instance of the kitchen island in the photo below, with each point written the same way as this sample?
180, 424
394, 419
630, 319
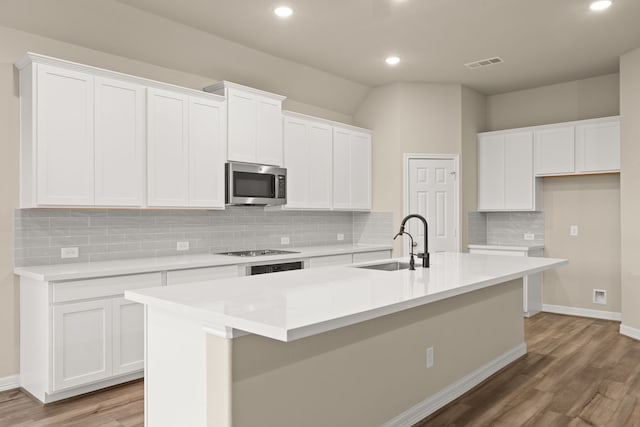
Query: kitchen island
331, 346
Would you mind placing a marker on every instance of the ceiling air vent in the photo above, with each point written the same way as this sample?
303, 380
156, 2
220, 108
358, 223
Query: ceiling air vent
484, 62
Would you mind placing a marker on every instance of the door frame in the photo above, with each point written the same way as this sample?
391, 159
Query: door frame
456, 189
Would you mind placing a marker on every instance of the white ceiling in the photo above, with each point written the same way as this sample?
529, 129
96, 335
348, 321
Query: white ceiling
541, 41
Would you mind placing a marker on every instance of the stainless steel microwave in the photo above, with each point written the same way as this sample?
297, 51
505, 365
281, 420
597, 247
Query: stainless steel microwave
251, 184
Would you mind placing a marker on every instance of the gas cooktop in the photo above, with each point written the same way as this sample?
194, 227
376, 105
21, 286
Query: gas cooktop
259, 252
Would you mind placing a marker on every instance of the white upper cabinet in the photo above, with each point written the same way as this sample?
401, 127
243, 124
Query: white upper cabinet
555, 150
185, 150
62, 136
119, 143
598, 146
505, 172
254, 124
576, 148
308, 159
93, 137
351, 169
167, 153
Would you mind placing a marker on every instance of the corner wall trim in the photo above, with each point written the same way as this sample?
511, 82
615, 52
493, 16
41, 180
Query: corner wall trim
630, 332
10, 382
582, 312
448, 394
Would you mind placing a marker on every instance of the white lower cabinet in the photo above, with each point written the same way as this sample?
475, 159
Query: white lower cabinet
80, 335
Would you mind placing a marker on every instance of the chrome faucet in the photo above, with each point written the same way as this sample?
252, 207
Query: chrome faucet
424, 255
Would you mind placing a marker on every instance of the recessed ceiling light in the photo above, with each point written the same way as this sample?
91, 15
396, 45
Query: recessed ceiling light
392, 60
600, 4
283, 11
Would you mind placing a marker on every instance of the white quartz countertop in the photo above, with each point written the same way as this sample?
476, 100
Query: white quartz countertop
295, 304
522, 247
48, 273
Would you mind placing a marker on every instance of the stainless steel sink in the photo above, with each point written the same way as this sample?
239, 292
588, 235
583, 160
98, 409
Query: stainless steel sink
387, 266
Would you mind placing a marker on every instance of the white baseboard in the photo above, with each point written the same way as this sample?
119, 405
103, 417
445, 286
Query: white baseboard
10, 382
455, 390
630, 332
582, 312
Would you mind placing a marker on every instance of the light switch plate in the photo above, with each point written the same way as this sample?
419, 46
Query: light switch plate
182, 246
529, 236
573, 230
340, 236
284, 240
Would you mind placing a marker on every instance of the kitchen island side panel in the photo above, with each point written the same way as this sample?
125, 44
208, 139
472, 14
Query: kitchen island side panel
368, 373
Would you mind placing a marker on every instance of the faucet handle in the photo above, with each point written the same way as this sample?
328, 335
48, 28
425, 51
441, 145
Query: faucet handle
414, 244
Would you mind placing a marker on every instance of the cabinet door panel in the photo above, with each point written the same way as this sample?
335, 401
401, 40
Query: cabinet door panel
64, 133
554, 151
119, 143
242, 130
598, 147
319, 174
296, 160
341, 169
206, 153
491, 172
128, 336
167, 148
519, 185
360, 171
81, 343
269, 132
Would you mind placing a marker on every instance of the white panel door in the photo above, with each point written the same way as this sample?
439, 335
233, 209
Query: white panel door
598, 147
128, 336
554, 151
64, 132
242, 126
119, 143
319, 149
167, 149
491, 172
360, 171
432, 194
296, 159
269, 131
206, 153
519, 180
341, 169
81, 343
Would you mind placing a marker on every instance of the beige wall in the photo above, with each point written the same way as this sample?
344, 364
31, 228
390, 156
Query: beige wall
473, 121
630, 187
408, 118
563, 102
13, 46
592, 203
367, 373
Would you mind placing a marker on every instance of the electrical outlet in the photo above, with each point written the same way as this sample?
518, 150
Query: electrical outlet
182, 246
529, 236
573, 230
429, 357
284, 240
599, 296
340, 236
69, 252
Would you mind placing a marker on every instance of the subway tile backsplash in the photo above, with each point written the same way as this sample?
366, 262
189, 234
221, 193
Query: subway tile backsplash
107, 234
505, 228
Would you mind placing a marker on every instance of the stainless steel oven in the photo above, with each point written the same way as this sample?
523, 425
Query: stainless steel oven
251, 184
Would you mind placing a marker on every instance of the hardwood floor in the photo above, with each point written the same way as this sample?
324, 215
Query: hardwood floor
120, 406
578, 372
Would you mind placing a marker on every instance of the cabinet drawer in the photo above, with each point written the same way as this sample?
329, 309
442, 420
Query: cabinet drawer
323, 261
103, 287
497, 252
371, 256
202, 274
